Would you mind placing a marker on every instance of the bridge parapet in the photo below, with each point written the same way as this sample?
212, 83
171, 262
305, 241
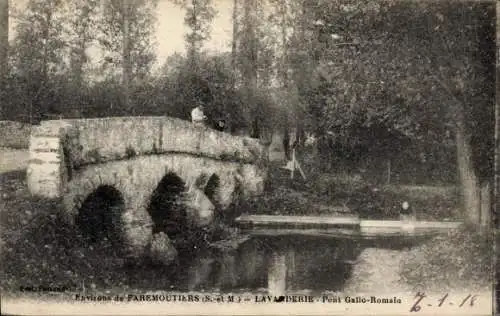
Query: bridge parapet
106, 139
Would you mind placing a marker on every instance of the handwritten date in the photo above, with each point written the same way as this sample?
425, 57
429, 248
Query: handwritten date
468, 300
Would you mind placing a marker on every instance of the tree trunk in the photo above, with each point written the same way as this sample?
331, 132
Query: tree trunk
126, 62
4, 48
77, 58
469, 181
193, 52
497, 128
284, 42
285, 78
234, 40
286, 141
250, 67
470, 188
234, 48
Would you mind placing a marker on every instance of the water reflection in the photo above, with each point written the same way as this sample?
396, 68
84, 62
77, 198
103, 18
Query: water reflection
277, 265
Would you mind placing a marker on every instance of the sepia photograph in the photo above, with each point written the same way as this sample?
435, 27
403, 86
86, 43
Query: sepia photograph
248, 157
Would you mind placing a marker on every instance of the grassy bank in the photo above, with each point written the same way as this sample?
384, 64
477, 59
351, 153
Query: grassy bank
329, 194
462, 259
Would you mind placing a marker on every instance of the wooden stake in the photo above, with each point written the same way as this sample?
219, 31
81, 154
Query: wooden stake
301, 171
296, 165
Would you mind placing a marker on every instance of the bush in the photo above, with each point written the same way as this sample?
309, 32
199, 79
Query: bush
14, 134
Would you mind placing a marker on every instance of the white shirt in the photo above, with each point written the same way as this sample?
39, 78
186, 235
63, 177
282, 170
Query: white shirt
197, 115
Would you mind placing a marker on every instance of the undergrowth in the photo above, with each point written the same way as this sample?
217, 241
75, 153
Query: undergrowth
329, 194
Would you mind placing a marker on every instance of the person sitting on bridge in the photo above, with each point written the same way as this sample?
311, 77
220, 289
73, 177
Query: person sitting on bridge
221, 125
197, 115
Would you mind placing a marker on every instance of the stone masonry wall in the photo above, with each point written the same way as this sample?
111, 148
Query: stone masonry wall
107, 139
47, 172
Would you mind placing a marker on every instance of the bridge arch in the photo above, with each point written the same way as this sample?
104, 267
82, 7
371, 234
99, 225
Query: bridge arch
211, 187
165, 208
99, 217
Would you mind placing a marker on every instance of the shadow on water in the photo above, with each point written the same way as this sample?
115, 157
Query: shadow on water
291, 264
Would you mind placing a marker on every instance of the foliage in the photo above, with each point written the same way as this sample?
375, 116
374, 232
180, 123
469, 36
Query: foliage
338, 194
51, 73
181, 90
83, 22
198, 17
37, 53
405, 72
385, 75
400, 76
140, 17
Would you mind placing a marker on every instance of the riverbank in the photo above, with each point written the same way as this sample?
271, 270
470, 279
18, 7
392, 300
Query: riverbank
337, 194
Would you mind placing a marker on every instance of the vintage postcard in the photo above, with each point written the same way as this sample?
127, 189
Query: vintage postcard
247, 157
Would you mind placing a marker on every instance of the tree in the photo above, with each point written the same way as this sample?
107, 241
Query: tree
421, 82
214, 80
497, 127
292, 58
254, 45
234, 41
126, 29
198, 17
460, 61
4, 48
247, 62
83, 21
39, 50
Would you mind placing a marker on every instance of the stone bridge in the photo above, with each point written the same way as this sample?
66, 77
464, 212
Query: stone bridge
134, 172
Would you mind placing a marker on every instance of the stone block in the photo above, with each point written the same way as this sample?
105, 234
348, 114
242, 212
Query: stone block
253, 179
45, 144
178, 138
46, 175
162, 251
43, 180
199, 208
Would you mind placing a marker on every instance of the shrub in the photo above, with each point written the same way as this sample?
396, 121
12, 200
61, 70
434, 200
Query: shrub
14, 134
